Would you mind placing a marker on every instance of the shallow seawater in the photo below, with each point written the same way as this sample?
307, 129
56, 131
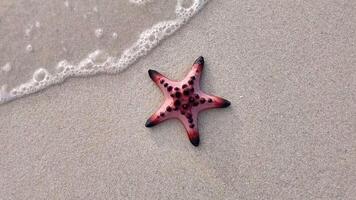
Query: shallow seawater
43, 42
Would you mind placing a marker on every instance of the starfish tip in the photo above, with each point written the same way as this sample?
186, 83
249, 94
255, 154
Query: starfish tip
195, 141
226, 103
152, 73
199, 61
149, 123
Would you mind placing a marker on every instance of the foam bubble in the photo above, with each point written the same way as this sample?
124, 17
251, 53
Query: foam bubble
61, 66
99, 33
66, 3
29, 48
37, 24
98, 56
30, 27
114, 35
28, 32
6, 68
40, 75
140, 2
99, 61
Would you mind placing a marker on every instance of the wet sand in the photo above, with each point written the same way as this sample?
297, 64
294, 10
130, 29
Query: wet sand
289, 70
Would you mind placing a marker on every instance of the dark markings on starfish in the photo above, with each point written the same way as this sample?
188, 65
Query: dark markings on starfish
202, 100
178, 94
186, 92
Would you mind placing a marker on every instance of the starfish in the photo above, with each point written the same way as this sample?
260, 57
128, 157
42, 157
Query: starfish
184, 100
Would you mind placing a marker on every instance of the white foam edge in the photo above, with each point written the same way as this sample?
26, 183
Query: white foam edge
99, 62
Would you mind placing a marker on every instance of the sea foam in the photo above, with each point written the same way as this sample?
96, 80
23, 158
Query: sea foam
99, 62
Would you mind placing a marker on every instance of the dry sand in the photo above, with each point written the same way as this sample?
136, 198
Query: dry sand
289, 69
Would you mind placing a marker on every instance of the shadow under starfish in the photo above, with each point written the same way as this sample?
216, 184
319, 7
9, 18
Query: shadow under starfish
184, 100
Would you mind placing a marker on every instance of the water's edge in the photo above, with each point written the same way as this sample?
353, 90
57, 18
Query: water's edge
99, 62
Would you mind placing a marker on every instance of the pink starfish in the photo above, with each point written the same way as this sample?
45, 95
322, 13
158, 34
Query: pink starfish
184, 100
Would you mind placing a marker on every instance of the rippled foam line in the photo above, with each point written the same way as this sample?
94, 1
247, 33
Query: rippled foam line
99, 62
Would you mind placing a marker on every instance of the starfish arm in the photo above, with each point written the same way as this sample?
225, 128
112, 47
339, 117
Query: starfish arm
190, 123
165, 84
164, 113
210, 101
193, 77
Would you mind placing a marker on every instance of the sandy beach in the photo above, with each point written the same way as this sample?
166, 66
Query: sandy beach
289, 70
